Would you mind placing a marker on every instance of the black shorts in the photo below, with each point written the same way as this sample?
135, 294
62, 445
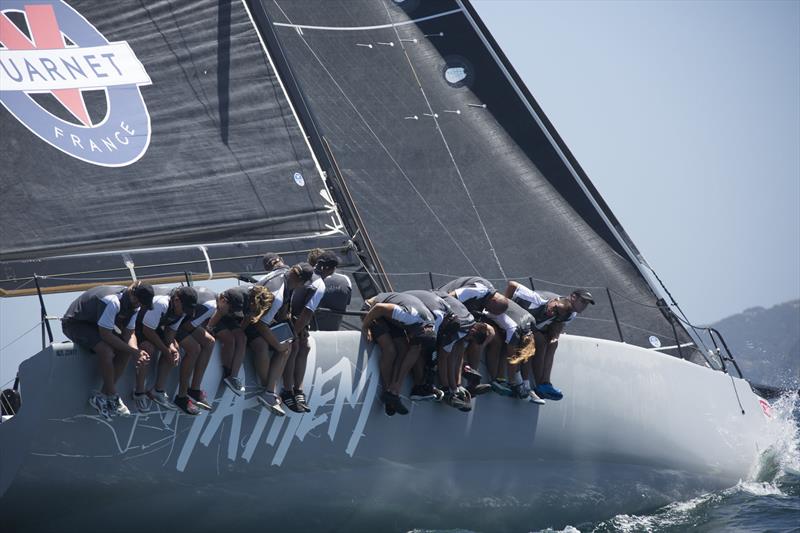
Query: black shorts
252, 333
382, 326
227, 322
84, 334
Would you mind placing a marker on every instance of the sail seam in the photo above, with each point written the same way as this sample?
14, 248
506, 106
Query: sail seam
385, 149
447, 147
363, 28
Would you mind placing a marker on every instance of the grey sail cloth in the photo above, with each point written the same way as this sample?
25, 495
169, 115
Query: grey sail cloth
227, 160
450, 171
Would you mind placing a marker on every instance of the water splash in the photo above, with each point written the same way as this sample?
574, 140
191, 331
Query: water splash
768, 499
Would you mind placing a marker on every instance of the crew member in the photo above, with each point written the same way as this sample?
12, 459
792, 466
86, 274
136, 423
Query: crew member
101, 320
550, 313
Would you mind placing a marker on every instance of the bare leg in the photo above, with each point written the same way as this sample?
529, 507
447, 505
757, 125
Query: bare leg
493, 356
240, 340
105, 359
191, 350
261, 361
409, 359
276, 369
288, 370
444, 368
206, 342
165, 366
120, 362
457, 364
141, 372
388, 355
301, 359
549, 357
228, 345
538, 361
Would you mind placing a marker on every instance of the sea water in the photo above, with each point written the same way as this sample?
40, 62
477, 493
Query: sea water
769, 500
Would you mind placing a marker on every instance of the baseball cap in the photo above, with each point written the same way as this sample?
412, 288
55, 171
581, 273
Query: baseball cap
586, 295
144, 293
188, 298
306, 271
327, 259
270, 258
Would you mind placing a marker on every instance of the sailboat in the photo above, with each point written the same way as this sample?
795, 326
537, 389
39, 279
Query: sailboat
179, 141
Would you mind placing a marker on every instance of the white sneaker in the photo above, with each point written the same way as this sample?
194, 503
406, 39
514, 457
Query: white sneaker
99, 401
116, 407
534, 398
161, 399
272, 402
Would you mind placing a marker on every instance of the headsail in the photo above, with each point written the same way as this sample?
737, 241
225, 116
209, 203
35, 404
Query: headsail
451, 163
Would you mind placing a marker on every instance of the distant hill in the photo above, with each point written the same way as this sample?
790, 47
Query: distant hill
766, 343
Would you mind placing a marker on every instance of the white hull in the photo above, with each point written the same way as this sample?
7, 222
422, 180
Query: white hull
622, 440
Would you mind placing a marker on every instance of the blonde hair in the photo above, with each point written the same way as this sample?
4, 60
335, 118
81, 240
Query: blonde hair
260, 300
525, 350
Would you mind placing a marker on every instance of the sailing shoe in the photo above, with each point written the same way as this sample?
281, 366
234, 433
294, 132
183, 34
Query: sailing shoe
480, 388
234, 384
547, 391
501, 388
288, 400
399, 408
160, 397
98, 401
272, 402
142, 402
471, 376
116, 407
388, 404
424, 391
200, 399
186, 405
464, 400
534, 398
300, 400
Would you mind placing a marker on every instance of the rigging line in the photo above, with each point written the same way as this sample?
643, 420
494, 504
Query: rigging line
363, 28
675, 303
736, 391
447, 146
38, 324
385, 149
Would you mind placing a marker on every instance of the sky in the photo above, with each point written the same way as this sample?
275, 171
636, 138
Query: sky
685, 116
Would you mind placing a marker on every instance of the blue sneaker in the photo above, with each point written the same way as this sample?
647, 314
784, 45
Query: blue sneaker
547, 391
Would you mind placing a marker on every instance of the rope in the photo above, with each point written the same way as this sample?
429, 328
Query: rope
38, 324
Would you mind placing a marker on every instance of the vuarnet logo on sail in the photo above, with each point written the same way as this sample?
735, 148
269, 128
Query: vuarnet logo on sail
49, 48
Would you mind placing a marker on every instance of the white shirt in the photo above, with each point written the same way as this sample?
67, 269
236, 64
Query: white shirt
268, 317
152, 317
319, 291
211, 307
110, 313
506, 323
